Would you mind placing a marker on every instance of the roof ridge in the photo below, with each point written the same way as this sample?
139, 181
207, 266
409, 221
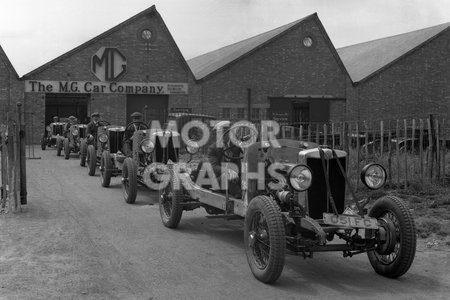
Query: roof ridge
4, 56
88, 42
396, 35
288, 25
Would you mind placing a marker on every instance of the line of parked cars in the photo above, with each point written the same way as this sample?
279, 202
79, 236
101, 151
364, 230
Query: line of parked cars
296, 197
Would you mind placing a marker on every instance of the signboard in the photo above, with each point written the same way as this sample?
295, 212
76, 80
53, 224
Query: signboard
282, 118
92, 87
108, 64
181, 110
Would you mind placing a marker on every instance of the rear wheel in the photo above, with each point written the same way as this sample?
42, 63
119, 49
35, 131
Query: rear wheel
66, 148
83, 153
43, 143
170, 203
105, 168
264, 239
91, 160
394, 257
58, 146
129, 180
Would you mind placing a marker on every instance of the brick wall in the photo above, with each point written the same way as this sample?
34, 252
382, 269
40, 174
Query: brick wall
414, 87
283, 67
161, 63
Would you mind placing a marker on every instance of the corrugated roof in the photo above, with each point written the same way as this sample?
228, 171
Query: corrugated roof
211, 62
5, 59
364, 59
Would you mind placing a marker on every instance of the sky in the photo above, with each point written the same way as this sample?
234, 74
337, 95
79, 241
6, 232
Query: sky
33, 32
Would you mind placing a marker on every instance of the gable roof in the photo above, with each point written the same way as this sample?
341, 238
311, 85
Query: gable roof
4, 58
105, 34
366, 59
212, 62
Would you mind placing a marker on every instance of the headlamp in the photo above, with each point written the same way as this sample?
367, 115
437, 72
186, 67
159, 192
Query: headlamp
373, 176
103, 138
300, 178
147, 146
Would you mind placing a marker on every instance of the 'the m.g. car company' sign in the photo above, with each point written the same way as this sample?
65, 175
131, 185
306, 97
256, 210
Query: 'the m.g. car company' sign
152, 88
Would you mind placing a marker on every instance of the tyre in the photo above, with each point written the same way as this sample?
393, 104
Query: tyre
58, 146
264, 239
91, 159
43, 143
66, 148
83, 153
170, 203
129, 180
393, 258
105, 168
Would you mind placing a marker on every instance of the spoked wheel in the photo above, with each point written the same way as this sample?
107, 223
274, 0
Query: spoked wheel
170, 203
394, 257
91, 160
58, 146
264, 238
129, 180
83, 153
105, 168
66, 148
43, 143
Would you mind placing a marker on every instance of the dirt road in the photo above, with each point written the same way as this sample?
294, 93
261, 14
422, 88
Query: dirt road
76, 239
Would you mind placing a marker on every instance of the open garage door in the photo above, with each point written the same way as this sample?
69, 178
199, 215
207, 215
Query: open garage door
65, 105
157, 106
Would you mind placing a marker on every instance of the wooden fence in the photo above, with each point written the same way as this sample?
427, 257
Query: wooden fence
13, 164
413, 151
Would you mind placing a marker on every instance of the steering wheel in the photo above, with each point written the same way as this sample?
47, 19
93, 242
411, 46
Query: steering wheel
242, 139
139, 126
103, 123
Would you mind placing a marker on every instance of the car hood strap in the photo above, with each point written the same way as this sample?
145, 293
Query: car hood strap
327, 181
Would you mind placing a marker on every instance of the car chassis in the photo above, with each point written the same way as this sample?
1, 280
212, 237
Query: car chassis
301, 221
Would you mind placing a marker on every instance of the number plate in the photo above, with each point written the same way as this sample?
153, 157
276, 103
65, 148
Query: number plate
350, 221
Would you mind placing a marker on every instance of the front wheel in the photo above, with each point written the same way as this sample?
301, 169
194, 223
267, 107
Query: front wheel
58, 146
43, 143
394, 257
83, 153
264, 239
91, 160
66, 149
129, 180
105, 168
170, 203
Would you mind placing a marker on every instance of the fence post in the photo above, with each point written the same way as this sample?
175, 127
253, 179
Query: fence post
382, 137
389, 152
332, 136
22, 155
438, 152
430, 147
405, 123
317, 134
325, 134
421, 149
397, 150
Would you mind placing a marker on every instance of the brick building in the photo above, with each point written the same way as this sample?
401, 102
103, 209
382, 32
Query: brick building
10, 88
291, 74
135, 66
402, 76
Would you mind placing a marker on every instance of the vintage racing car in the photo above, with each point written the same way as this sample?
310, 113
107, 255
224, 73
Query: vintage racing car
75, 137
297, 202
52, 134
150, 149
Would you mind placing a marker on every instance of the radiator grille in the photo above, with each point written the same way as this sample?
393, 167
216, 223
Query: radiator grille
317, 193
115, 141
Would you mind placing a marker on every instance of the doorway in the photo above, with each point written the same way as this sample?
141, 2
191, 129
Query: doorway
65, 105
152, 107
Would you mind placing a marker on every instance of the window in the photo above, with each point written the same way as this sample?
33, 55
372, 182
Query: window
256, 114
240, 113
226, 113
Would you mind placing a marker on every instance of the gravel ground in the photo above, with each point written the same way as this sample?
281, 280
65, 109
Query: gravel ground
78, 240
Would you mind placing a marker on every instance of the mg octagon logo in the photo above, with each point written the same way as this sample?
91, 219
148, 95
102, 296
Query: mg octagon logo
108, 64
